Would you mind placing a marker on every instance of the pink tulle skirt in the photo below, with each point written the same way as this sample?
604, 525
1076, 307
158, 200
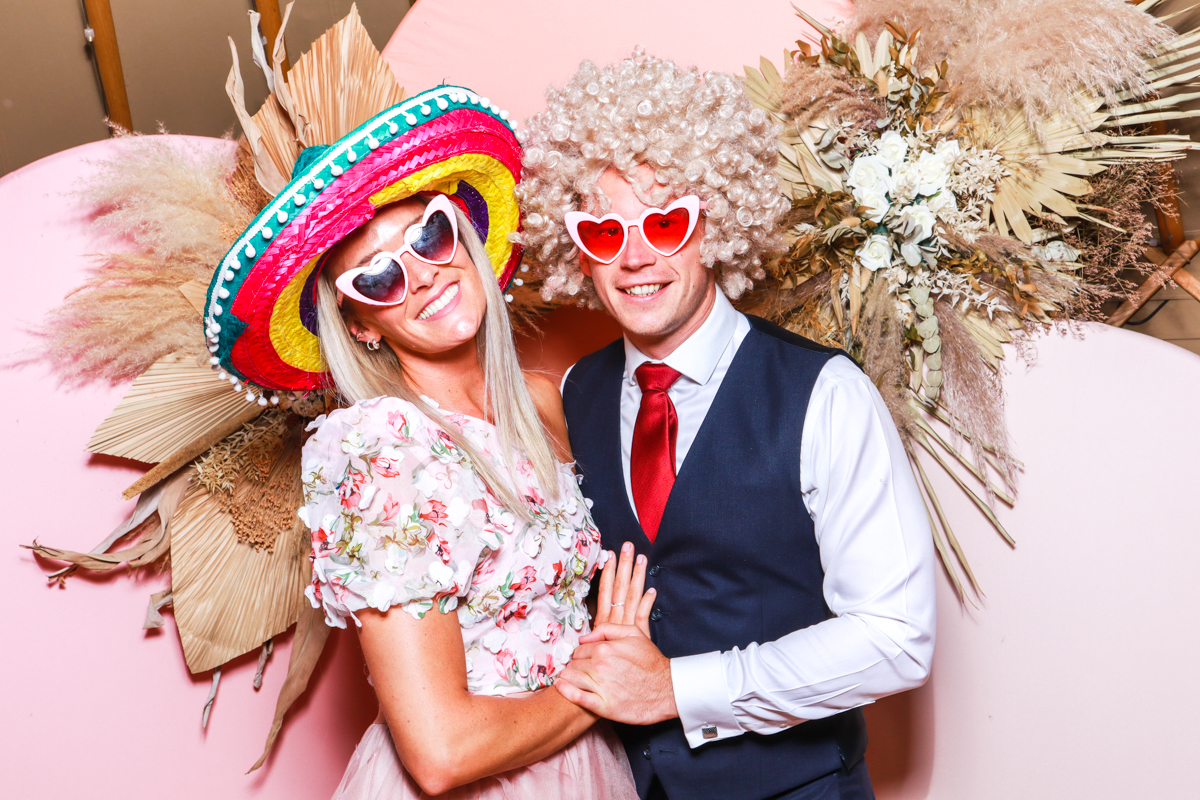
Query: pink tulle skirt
593, 767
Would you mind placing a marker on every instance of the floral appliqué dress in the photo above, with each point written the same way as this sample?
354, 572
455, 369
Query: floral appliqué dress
400, 519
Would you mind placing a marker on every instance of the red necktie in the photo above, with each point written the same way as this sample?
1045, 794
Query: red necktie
652, 458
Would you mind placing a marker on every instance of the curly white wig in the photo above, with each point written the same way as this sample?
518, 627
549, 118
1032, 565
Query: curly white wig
700, 135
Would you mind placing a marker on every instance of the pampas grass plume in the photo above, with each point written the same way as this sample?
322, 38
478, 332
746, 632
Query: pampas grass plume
1035, 55
175, 209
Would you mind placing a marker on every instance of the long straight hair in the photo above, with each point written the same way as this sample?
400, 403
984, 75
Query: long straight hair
360, 374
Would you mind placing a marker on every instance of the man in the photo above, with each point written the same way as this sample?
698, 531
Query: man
759, 473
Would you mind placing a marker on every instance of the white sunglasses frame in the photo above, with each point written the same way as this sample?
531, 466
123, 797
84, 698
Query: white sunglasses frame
691, 202
345, 281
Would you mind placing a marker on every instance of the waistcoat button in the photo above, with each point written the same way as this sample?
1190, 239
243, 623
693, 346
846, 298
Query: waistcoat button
656, 615
655, 570
646, 754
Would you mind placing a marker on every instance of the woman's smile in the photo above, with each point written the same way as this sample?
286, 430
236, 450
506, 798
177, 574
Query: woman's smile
441, 305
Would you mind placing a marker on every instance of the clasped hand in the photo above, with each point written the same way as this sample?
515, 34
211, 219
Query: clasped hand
617, 672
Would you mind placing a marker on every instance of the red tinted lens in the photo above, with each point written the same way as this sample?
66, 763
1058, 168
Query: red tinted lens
384, 281
436, 241
666, 232
602, 239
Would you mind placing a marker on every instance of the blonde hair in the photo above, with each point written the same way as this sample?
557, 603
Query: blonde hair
360, 374
700, 135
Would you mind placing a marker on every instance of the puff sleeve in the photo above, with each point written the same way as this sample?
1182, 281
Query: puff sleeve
397, 514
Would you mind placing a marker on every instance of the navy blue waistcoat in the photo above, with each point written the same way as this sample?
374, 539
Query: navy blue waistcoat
735, 560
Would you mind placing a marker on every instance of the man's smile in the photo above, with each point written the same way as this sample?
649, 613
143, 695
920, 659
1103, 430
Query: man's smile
643, 289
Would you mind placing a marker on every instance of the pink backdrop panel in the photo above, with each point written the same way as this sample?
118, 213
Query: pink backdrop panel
1075, 676
95, 707
511, 51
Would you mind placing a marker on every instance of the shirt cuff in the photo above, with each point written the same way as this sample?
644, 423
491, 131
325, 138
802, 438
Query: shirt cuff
702, 699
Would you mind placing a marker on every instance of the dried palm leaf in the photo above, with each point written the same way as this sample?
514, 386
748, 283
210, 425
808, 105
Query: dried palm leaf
270, 134
307, 644
340, 83
1041, 180
173, 403
798, 169
229, 597
932, 502
195, 291
191, 450
150, 521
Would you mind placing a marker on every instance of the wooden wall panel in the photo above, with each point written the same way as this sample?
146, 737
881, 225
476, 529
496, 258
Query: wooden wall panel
50, 98
175, 57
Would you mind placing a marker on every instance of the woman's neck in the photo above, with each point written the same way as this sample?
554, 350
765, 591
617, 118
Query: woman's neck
453, 379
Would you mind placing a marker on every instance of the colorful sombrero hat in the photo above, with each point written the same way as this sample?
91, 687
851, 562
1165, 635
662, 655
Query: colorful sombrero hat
260, 316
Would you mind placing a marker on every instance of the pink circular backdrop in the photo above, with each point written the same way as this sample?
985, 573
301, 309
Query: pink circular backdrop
1072, 678
96, 707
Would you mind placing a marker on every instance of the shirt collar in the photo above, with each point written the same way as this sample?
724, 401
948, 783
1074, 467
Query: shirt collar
697, 357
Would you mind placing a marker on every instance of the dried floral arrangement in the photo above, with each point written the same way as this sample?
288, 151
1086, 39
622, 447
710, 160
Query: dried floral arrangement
960, 178
218, 509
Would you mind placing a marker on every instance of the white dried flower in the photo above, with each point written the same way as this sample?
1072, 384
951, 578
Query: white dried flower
1058, 250
942, 203
892, 149
876, 202
869, 173
875, 253
907, 181
934, 171
948, 149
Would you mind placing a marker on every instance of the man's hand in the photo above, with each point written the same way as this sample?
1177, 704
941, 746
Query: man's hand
618, 673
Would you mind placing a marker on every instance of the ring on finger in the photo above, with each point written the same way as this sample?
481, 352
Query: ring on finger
614, 605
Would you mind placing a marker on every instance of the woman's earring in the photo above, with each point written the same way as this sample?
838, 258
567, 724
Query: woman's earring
372, 344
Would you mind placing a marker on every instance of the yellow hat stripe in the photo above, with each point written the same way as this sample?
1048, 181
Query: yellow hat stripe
293, 343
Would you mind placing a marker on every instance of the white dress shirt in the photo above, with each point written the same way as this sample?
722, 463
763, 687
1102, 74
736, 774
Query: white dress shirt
872, 530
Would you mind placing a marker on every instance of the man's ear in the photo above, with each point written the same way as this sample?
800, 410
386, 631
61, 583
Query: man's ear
585, 265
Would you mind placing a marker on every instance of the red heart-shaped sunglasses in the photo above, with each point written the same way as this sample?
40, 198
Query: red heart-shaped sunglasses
665, 230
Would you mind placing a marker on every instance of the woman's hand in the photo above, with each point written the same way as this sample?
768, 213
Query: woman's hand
617, 672
621, 598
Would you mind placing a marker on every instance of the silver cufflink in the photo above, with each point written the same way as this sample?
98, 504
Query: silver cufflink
709, 731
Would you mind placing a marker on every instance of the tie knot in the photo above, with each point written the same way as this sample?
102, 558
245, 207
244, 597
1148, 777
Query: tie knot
655, 377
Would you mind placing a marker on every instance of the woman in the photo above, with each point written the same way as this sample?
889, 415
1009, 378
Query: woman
446, 516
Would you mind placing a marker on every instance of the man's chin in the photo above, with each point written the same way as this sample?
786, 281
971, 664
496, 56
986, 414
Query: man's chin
643, 317
643, 322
